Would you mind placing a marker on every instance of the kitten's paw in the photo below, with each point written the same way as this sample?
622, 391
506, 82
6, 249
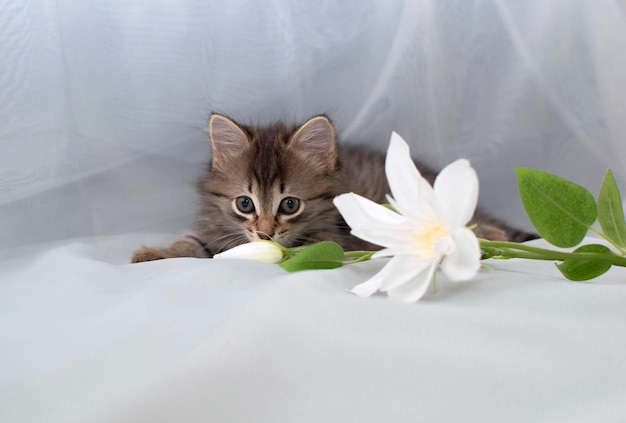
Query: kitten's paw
147, 254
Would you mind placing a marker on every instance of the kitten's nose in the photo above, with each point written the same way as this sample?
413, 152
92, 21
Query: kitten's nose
265, 227
263, 235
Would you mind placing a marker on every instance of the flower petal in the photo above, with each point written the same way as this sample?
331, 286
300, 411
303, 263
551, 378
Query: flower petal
359, 211
370, 286
413, 195
415, 289
396, 272
406, 268
456, 187
424, 211
372, 222
444, 245
464, 261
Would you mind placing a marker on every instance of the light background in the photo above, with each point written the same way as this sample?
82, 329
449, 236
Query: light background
104, 104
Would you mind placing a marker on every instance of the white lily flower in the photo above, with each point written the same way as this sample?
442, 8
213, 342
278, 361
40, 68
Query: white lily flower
264, 251
428, 231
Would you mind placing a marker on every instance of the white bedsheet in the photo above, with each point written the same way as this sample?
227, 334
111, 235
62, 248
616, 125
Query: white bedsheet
103, 112
87, 338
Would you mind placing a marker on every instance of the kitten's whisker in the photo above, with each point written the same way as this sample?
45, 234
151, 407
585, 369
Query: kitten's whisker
231, 240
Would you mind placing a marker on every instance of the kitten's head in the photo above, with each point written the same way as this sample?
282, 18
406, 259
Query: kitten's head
271, 182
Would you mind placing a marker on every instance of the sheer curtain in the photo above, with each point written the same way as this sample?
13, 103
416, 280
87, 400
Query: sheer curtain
104, 104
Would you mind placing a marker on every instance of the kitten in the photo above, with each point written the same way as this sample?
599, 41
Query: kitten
278, 182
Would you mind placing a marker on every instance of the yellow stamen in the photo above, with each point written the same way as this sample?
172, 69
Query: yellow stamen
425, 238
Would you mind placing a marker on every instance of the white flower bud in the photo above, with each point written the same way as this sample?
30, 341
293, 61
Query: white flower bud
264, 251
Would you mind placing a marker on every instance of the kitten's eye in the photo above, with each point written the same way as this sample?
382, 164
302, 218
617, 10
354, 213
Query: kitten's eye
244, 204
289, 205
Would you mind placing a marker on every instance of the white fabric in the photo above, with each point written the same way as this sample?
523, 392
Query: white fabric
102, 120
194, 340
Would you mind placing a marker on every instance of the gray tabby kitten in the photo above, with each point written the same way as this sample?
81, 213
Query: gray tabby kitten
278, 182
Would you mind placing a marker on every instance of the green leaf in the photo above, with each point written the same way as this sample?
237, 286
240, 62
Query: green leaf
322, 255
561, 211
611, 212
576, 269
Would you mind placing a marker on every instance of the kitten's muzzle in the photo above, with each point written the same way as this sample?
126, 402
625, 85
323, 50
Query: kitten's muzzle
264, 236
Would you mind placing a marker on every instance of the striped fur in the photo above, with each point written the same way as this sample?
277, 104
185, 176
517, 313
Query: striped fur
271, 164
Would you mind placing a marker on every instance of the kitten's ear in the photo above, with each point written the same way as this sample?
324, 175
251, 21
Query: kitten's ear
227, 138
315, 143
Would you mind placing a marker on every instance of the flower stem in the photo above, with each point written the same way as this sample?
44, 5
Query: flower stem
504, 249
357, 256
